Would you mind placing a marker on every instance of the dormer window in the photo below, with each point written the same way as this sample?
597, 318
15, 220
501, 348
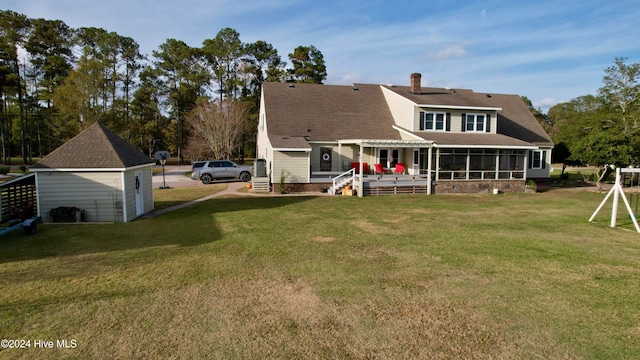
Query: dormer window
434, 121
476, 122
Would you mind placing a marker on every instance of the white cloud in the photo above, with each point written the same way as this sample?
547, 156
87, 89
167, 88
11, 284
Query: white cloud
448, 52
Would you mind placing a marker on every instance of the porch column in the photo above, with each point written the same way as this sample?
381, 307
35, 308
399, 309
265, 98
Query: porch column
340, 168
497, 176
429, 153
526, 163
437, 164
361, 189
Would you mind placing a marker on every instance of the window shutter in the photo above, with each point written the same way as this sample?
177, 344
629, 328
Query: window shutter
422, 120
464, 122
448, 126
543, 160
530, 159
488, 125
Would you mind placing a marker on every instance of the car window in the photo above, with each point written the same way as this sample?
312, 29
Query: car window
227, 164
217, 164
211, 164
198, 164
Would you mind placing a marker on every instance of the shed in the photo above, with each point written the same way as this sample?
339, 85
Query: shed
97, 172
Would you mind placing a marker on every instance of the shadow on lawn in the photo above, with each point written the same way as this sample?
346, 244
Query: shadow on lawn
190, 226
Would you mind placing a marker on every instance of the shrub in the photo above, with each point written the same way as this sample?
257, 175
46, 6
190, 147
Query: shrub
4, 170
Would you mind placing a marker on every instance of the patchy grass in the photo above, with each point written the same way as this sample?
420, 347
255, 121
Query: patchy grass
509, 276
164, 198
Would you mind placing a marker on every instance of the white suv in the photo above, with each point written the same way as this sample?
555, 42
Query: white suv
207, 171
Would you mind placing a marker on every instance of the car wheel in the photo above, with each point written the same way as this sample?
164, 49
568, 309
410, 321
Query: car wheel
206, 179
245, 177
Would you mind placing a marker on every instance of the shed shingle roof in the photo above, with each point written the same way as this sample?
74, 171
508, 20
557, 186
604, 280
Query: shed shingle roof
94, 148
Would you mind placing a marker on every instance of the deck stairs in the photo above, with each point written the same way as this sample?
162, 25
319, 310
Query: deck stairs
342, 180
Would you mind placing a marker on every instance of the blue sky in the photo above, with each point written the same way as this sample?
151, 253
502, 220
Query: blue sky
549, 51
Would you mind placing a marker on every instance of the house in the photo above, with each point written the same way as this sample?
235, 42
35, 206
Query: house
448, 140
97, 172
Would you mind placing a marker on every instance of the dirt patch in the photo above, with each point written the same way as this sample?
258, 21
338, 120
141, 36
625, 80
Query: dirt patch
324, 239
373, 229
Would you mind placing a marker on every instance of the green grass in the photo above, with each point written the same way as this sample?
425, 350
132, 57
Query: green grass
164, 198
517, 276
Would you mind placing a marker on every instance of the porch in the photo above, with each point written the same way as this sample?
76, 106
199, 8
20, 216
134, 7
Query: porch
391, 184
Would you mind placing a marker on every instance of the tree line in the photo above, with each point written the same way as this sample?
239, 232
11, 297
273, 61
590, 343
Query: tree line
193, 101
603, 128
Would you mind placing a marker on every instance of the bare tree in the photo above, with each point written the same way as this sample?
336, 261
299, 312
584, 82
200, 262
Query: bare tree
219, 124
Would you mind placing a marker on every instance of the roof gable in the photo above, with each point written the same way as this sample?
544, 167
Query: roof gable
319, 112
94, 148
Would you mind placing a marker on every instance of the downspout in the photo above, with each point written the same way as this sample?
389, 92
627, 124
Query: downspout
429, 163
361, 190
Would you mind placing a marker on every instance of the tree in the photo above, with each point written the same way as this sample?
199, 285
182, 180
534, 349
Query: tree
219, 125
308, 65
543, 119
49, 45
603, 129
13, 32
223, 55
183, 79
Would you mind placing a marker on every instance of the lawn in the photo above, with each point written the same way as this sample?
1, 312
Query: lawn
507, 276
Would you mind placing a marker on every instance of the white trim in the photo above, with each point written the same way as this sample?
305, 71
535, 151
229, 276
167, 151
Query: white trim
460, 107
475, 123
91, 169
124, 199
292, 149
18, 179
407, 132
497, 147
38, 199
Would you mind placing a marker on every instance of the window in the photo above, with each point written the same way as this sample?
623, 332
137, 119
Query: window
537, 159
475, 122
432, 121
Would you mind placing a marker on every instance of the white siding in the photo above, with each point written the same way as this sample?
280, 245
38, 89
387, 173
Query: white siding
98, 193
295, 165
402, 109
541, 173
456, 118
264, 149
129, 190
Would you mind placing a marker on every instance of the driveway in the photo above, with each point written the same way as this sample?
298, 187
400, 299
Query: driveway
174, 176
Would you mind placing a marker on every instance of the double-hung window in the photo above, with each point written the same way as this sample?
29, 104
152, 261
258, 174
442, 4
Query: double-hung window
475, 122
432, 121
537, 159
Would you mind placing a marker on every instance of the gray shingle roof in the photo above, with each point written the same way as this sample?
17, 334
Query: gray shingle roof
327, 112
337, 112
94, 148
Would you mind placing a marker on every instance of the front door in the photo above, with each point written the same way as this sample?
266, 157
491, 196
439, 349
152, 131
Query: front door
139, 199
325, 158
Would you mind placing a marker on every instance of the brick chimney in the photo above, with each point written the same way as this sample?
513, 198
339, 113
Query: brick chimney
416, 88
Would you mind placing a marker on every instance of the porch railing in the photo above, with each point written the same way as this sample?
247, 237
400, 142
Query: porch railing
342, 180
480, 174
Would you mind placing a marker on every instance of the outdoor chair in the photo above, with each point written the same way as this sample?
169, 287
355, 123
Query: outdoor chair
379, 169
399, 169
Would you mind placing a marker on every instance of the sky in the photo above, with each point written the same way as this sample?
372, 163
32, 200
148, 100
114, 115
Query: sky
549, 51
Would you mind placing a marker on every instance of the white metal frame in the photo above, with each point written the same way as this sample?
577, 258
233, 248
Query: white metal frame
616, 190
